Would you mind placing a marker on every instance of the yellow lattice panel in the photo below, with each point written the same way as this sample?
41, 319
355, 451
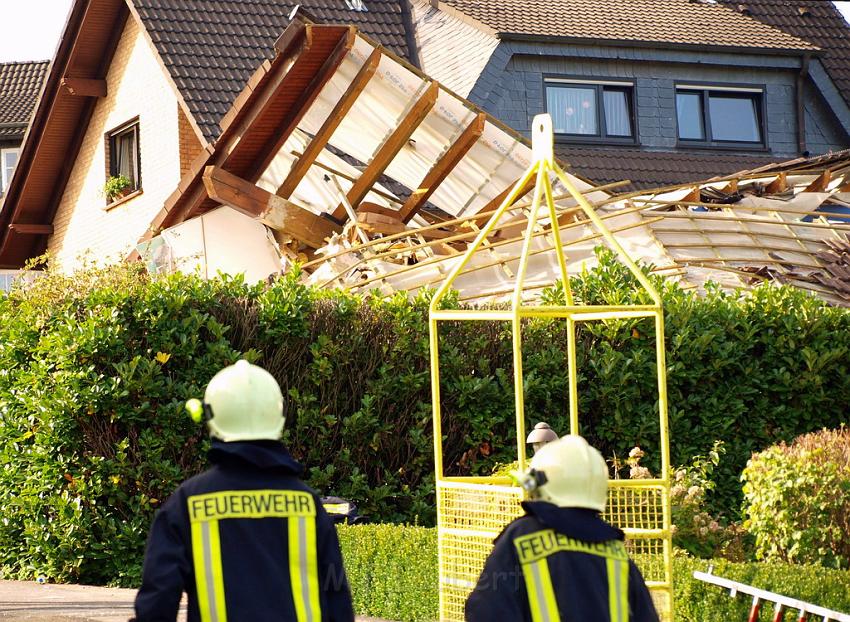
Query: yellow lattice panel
469, 517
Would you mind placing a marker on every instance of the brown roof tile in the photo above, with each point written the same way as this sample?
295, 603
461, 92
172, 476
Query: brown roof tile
672, 22
653, 169
212, 47
816, 21
20, 84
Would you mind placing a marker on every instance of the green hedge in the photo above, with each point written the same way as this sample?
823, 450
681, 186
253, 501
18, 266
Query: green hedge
393, 574
95, 367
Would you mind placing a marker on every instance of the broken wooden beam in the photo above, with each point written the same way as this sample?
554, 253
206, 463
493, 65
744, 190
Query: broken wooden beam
273, 211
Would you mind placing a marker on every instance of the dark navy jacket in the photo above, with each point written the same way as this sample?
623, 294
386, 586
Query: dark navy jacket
254, 551
579, 579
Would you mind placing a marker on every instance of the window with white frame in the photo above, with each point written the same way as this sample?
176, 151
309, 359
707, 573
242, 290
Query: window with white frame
8, 162
591, 109
720, 115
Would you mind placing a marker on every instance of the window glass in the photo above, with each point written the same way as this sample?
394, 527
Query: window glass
573, 109
689, 114
124, 154
8, 161
618, 118
734, 116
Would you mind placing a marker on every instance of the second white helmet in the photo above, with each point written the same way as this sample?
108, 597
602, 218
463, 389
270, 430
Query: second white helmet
574, 474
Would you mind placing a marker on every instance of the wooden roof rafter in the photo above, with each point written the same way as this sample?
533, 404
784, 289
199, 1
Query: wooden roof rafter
336, 116
390, 149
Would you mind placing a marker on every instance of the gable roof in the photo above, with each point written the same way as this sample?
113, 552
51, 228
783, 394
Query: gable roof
814, 20
214, 46
20, 84
692, 23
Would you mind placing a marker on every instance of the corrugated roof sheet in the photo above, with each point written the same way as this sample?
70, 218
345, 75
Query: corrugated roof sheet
689, 22
20, 84
653, 169
816, 21
212, 47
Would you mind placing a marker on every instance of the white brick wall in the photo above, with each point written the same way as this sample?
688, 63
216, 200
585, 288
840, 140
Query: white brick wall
136, 86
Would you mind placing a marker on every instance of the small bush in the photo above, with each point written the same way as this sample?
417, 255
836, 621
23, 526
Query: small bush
392, 570
797, 499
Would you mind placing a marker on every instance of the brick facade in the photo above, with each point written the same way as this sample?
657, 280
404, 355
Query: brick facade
136, 87
190, 146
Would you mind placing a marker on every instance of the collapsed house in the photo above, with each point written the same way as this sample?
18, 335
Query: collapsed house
342, 157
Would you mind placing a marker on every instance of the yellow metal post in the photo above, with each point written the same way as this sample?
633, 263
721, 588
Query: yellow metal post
471, 511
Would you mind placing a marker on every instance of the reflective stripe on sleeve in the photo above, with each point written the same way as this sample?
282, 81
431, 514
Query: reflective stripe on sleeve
209, 578
541, 595
304, 568
618, 589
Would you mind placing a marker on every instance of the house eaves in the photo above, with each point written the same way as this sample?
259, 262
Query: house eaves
58, 126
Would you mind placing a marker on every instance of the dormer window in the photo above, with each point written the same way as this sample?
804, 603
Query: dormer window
719, 116
591, 111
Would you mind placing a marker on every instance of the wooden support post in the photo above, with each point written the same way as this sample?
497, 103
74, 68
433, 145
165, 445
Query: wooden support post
336, 116
31, 229
820, 184
390, 149
271, 210
305, 99
780, 184
85, 87
443, 168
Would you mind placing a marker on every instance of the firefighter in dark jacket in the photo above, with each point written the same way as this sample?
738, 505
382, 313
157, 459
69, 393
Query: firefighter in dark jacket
246, 539
561, 561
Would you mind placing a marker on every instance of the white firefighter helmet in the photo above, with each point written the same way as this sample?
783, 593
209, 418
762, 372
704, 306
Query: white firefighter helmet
540, 435
571, 474
245, 404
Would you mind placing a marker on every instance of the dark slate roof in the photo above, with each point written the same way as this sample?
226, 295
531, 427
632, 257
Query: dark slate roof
816, 21
653, 169
20, 84
211, 47
676, 22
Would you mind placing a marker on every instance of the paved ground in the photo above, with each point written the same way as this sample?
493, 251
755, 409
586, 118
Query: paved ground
27, 601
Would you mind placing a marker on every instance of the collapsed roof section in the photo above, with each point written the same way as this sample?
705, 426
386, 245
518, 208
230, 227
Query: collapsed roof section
378, 179
787, 223
335, 129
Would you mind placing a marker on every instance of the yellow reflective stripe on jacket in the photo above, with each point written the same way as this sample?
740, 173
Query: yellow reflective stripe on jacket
209, 578
304, 568
541, 596
534, 548
618, 589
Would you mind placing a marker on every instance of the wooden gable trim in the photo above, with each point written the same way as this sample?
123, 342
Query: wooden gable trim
320, 140
443, 168
392, 145
85, 87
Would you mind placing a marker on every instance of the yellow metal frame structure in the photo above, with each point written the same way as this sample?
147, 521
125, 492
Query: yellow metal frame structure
472, 511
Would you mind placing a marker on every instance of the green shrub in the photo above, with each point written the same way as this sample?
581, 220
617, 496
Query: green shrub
697, 601
392, 570
94, 368
394, 575
797, 499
